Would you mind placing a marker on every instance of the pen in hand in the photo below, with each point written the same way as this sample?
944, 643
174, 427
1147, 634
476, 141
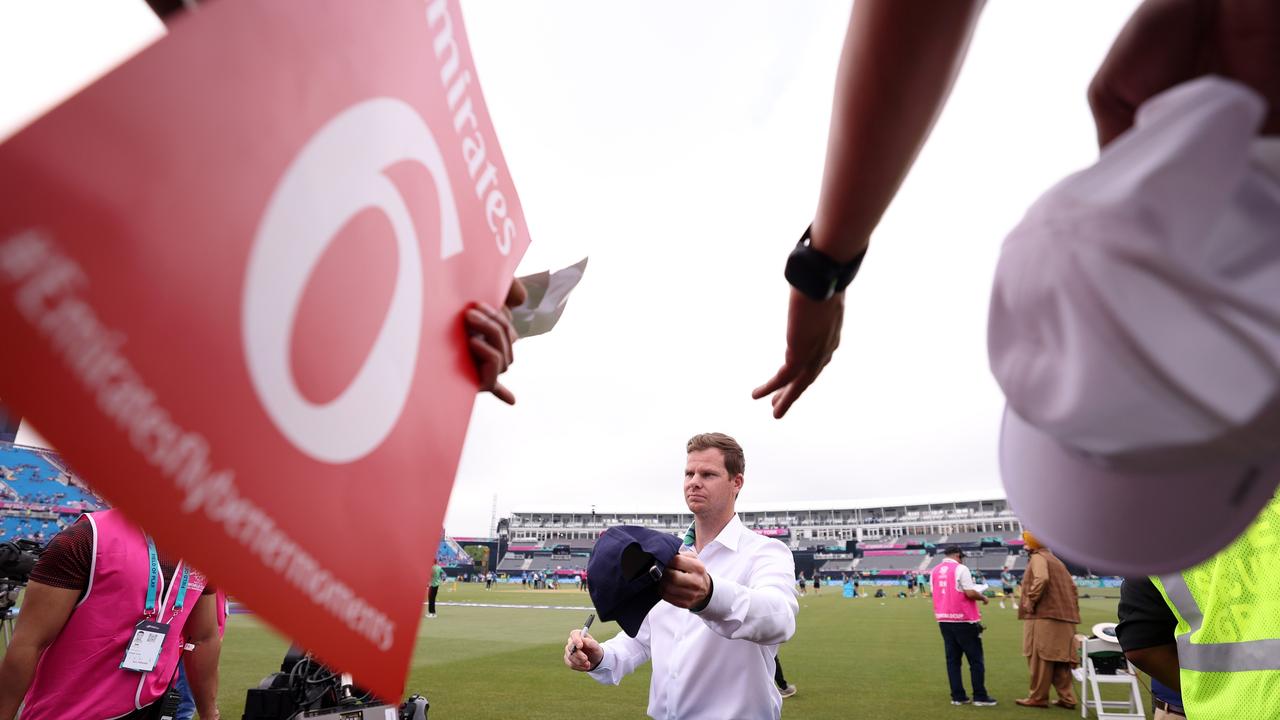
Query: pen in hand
585, 626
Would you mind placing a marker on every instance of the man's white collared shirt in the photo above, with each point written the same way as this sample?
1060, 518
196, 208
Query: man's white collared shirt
717, 663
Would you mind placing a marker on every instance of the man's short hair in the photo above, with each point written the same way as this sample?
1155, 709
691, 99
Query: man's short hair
734, 461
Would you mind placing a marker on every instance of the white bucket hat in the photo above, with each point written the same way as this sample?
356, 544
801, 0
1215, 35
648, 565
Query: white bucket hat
1135, 331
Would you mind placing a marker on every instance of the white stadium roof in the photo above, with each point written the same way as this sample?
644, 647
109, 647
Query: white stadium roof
788, 506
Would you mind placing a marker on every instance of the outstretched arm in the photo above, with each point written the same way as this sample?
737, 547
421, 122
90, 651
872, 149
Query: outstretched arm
899, 62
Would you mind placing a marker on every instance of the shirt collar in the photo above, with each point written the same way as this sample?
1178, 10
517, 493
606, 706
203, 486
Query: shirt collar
731, 534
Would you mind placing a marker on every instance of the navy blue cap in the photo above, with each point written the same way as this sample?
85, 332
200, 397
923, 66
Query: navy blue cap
625, 566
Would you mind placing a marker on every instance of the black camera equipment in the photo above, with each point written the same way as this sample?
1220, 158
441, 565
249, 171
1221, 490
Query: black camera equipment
17, 558
304, 688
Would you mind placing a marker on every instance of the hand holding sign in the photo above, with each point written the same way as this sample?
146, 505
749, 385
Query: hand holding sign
232, 295
490, 335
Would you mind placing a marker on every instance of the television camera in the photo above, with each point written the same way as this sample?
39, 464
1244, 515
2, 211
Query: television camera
304, 688
17, 558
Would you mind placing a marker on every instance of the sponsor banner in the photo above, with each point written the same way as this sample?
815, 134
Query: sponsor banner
774, 532
232, 276
891, 553
1099, 582
40, 507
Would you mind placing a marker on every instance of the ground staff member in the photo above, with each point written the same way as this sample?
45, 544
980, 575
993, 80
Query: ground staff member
1145, 633
1156, 272
187, 703
1227, 636
955, 607
714, 637
88, 594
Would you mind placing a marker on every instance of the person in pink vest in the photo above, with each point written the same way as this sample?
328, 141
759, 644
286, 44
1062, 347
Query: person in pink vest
186, 700
955, 606
103, 627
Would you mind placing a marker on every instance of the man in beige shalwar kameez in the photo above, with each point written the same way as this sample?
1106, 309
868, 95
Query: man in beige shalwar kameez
1050, 612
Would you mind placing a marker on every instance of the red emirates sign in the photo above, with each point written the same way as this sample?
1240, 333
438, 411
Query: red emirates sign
232, 275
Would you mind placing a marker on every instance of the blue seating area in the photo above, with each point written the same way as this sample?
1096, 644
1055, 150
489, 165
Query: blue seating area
35, 479
13, 528
451, 554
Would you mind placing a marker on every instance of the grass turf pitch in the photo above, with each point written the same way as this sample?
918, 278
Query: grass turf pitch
863, 658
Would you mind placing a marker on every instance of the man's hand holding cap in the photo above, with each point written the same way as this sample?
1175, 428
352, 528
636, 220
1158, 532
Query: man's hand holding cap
686, 583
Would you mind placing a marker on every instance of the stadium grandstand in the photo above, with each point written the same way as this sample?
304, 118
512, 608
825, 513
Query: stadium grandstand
557, 555
875, 538
39, 494
451, 555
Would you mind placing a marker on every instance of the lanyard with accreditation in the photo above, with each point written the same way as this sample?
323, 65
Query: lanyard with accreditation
148, 637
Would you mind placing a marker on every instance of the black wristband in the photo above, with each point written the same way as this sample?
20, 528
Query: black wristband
816, 274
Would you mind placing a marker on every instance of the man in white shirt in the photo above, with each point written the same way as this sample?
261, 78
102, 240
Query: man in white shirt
726, 605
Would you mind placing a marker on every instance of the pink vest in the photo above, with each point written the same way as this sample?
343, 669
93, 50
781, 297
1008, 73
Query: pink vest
949, 601
79, 675
221, 598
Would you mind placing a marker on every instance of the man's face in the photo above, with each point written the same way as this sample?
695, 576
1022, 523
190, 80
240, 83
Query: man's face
708, 489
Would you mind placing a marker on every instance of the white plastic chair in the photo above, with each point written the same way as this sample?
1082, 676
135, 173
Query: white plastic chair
1126, 675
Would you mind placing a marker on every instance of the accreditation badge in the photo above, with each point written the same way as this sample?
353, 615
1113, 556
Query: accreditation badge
144, 649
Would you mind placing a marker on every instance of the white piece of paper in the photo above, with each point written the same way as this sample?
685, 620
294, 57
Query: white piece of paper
548, 293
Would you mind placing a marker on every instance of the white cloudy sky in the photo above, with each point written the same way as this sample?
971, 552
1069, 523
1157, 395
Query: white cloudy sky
680, 146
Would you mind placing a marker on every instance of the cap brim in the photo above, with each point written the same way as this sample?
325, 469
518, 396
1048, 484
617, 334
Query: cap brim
1126, 523
633, 612
1106, 631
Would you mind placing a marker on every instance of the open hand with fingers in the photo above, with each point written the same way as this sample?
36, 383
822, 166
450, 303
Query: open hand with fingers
686, 582
813, 334
490, 336
582, 652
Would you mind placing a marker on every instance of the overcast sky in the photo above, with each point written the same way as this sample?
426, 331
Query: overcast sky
680, 145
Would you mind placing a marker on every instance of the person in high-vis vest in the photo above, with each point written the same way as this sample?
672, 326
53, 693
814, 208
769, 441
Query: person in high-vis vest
112, 648
1146, 634
1135, 333
1228, 632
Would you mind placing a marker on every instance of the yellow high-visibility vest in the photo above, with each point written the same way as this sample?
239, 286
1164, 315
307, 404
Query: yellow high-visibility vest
1228, 634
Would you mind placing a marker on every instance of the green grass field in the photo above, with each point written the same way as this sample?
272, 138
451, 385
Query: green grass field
850, 658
